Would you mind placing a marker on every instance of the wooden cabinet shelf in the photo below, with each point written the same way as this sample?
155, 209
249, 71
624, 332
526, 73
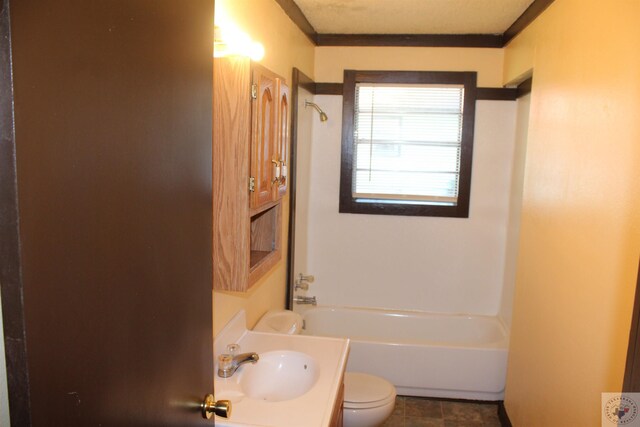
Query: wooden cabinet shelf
264, 242
256, 256
250, 147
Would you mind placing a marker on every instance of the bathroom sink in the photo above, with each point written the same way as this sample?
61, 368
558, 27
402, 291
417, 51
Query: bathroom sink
295, 382
279, 375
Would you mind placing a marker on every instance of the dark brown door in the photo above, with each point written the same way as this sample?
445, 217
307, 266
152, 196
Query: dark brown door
112, 253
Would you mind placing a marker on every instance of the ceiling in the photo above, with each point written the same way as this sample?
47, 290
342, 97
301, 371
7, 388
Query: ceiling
412, 16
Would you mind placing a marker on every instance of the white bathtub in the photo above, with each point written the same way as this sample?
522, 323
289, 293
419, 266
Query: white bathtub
422, 354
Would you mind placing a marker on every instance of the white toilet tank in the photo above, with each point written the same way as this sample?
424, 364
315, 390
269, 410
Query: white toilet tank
280, 322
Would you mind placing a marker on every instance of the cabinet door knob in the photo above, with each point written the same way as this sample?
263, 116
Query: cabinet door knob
276, 171
283, 172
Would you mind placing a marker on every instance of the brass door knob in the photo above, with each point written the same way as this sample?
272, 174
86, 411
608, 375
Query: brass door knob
210, 406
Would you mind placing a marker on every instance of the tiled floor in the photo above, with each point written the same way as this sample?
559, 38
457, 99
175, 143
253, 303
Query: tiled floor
425, 412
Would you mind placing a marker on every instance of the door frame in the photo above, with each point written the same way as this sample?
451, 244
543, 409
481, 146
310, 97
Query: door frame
298, 79
632, 369
11, 284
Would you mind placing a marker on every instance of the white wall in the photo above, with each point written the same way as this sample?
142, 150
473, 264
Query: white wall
515, 208
415, 263
306, 121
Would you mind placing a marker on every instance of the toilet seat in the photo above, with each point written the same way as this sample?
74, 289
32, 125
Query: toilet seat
364, 391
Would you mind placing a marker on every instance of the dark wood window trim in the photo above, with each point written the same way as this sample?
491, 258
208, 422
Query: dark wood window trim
350, 205
328, 88
524, 88
482, 93
496, 94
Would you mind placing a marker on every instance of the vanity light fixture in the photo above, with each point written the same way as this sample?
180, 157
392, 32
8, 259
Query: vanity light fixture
229, 40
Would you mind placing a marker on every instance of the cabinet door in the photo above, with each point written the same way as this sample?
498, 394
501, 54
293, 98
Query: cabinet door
282, 145
264, 115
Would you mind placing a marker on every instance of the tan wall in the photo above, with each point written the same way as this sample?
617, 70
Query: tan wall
285, 47
580, 229
332, 61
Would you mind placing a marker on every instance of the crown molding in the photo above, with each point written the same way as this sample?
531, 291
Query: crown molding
295, 14
528, 16
415, 40
411, 40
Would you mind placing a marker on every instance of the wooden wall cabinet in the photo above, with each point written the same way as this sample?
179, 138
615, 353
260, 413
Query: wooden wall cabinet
251, 110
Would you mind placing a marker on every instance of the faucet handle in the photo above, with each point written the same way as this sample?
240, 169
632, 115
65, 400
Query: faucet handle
301, 285
305, 278
225, 361
233, 349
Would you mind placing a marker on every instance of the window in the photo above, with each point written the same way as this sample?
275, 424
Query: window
407, 142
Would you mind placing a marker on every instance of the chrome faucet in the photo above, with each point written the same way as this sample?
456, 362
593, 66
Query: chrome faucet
228, 364
305, 300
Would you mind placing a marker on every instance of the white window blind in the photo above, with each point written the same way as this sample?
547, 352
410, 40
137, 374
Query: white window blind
407, 141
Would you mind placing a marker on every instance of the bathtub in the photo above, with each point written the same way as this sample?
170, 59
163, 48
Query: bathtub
422, 354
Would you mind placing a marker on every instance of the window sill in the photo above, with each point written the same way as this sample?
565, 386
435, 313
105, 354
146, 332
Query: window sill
403, 208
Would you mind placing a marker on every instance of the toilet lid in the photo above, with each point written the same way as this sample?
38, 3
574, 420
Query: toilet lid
364, 390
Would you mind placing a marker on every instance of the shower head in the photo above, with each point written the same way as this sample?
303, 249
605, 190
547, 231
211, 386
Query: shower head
323, 116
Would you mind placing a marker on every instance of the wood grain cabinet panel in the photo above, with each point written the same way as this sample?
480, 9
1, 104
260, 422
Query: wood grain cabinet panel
282, 139
231, 139
264, 136
338, 409
251, 111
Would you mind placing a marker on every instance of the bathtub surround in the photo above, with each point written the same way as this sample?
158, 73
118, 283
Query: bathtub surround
515, 209
440, 265
450, 356
444, 265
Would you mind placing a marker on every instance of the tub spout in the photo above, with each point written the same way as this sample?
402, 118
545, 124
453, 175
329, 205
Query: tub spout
228, 365
305, 300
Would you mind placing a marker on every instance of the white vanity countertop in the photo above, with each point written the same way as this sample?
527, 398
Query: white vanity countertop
312, 409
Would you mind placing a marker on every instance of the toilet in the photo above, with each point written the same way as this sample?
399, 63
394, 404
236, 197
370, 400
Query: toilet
368, 400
